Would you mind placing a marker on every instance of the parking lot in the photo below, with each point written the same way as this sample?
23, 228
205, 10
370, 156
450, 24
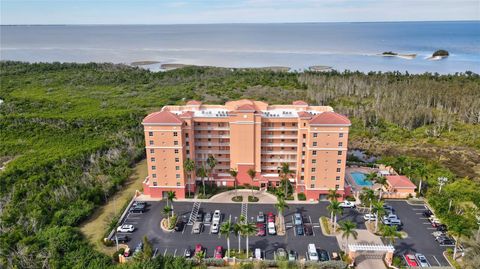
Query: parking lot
175, 243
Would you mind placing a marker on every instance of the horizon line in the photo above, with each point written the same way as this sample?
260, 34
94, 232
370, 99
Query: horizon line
219, 23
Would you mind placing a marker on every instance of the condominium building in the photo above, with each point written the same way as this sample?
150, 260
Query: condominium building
243, 135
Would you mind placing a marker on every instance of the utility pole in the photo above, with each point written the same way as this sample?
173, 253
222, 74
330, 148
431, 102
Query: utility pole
441, 182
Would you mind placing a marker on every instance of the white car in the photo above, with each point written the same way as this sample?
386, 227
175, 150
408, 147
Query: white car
271, 228
371, 217
312, 252
216, 216
422, 260
214, 228
347, 204
126, 228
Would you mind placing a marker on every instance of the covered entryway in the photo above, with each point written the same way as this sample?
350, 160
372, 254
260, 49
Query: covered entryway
372, 252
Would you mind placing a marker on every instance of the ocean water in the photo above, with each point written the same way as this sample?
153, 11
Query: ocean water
353, 46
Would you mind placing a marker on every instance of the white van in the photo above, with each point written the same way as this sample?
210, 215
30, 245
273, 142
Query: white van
312, 252
258, 254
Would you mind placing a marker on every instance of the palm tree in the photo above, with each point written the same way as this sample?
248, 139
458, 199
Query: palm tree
348, 229
234, 174
390, 232
369, 195
459, 230
400, 163
170, 197
166, 212
189, 167
225, 230
200, 256
379, 211
285, 172
334, 209
333, 195
247, 230
252, 173
471, 260
237, 229
280, 206
422, 173
383, 182
371, 177
211, 162
202, 173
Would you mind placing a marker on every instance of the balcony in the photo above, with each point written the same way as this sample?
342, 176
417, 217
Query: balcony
280, 136
212, 136
212, 151
270, 160
211, 144
279, 145
280, 152
270, 167
280, 128
212, 128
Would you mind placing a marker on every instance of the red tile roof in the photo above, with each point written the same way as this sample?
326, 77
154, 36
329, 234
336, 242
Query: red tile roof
304, 114
162, 117
246, 107
400, 182
330, 118
194, 103
299, 103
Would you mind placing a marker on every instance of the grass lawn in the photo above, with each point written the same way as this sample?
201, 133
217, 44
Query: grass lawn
94, 227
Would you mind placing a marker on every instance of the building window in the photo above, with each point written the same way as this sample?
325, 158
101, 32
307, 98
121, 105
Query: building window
337, 178
176, 151
337, 186
175, 143
150, 133
178, 184
339, 152
340, 144
315, 134
302, 178
303, 153
312, 186
154, 175
312, 178
177, 176
338, 170
314, 144
304, 145
283, 123
304, 136
314, 160
175, 134
152, 159
303, 169
294, 124
154, 167
340, 135
152, 151
177, 160
154, 183
314, 153
339, 161
186, 135
188, 151
177, 167
150, 142
313, 170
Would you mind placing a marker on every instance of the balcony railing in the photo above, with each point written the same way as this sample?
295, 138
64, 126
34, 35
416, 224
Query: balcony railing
270, 160
281, 152
270, 167
212, 128
219, 159
280, 136
212, 136
280, 128
212, 144
279, 145
212, 151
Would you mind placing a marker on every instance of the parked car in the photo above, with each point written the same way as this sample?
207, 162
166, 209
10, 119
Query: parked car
188, 253
297, 219
442, 228
214, 228
258, 254
197, 227
347, 204
427, 213
370, 217
392, 222
121, 238
292, 255
312, 252
199, 217
410, 259
218, 254
125, 228
179, 226
261, 229
281, 254
388, 209
308, 229
323, 255
260, 217
137, 209
422, 260
270, 217
271, 228
445, 240
208, 217
299, 229
216, 216
198, 248
143, 203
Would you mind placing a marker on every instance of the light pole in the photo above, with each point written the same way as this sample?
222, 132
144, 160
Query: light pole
441, 182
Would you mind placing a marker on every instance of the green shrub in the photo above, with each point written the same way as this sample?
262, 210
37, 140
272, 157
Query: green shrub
237, 198
252, 199
301, 196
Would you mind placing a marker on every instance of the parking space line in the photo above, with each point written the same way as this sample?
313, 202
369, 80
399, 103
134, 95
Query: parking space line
165, 252
175, 253
436, 260
417, 209
426, 223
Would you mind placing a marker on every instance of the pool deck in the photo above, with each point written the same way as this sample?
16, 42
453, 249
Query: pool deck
365, 170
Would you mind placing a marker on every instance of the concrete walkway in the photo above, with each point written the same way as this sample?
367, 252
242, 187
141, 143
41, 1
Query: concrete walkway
364, 259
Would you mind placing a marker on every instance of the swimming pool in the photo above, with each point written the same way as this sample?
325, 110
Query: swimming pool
360, 179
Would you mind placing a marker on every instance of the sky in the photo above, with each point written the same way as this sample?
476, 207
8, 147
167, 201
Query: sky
232, 11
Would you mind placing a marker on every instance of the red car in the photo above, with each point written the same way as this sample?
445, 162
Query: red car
260, 229
410, 259
198, 248
270, 217
218, 252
